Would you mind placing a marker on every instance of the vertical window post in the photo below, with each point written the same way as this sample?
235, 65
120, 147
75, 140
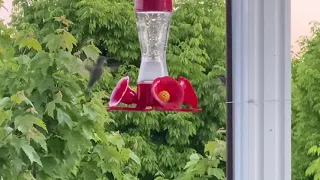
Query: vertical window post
261, 90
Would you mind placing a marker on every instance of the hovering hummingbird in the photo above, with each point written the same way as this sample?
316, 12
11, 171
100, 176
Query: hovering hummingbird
96, 71
223, 79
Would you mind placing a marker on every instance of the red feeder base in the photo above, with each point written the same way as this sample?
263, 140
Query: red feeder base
154, 109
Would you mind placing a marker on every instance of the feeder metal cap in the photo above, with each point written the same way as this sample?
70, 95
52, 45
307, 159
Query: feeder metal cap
153, 5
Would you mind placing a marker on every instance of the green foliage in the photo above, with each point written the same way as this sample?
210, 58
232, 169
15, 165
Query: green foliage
306, 107
313, 169
49, 129
196, 50
199, 167
99, 21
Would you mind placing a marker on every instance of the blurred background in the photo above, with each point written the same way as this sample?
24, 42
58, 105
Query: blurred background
41, 60
302, 13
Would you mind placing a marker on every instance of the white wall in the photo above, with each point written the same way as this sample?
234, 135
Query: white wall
5, 12
302, 13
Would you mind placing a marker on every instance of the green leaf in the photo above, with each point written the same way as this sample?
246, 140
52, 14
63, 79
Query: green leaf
313, 150
50, 107
53, 42
76, 142
218, 173
49, 164
17, 162
30, 43
6, 134
16, 99
135, 158
312, 168
89, 111
159, 173
160, 178
69, 40
31, 153
190, 164
64, 118
89, 174
91, 51
26, 122
39, 138
125, 153
100, 134
26, 176
194, 157
88, 129
116, 140
19, 97
129, 177
4, 102
5, 115
210, 147
58, 100
47, 83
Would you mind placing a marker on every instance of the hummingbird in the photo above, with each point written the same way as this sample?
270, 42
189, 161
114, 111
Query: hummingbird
223, 79
96, 71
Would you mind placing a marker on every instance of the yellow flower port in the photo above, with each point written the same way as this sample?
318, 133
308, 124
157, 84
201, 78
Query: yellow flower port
164, 96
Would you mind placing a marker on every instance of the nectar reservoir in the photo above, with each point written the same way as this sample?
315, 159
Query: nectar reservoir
153, 23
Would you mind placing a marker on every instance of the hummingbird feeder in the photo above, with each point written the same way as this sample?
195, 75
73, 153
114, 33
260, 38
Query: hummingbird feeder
156, 90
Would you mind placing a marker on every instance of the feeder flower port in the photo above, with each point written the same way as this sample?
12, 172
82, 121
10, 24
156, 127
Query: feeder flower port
156, 90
